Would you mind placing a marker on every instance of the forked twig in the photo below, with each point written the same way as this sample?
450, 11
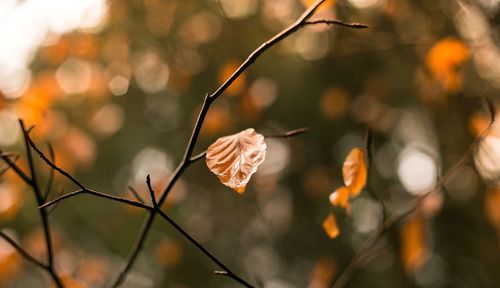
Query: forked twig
50, 267
187, 160
208, 100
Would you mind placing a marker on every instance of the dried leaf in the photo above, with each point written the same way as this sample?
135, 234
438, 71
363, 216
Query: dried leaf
355, 171
330, 226
235, 158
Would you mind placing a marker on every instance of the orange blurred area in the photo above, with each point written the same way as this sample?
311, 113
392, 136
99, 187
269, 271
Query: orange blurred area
444, 60
168, 253
413, 243
10, 262
226, 70
11, 201
492, 207
334, 103
34, 243
323, 273
330, 226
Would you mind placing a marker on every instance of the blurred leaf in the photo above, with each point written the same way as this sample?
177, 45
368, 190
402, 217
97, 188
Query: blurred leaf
354, 171
330, 226
443, 61
413, 242
235, 158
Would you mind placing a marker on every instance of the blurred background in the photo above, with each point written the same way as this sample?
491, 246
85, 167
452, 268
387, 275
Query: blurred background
116, 86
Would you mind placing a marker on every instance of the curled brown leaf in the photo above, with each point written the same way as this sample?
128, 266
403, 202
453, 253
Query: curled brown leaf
235, 158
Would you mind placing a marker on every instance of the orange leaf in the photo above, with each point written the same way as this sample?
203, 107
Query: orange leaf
354, 171
235, 158
340, 197
330, 226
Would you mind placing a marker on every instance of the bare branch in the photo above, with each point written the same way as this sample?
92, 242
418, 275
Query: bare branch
11, 164
288, 134
208, 100
43, 213
135, 193
98, 194
51, 163
336, 22
21, 251
151, 192
52, 156
186, 235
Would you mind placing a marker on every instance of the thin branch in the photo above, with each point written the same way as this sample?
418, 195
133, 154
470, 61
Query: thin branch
186, 235
50, 181
368, 146
336, 22
11, 164
98, 194
21, 251
288, 134
136, 194
43, 213
52, 164
208, 100
151, 192
7, 166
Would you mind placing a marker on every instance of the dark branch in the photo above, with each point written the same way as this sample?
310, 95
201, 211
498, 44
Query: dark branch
43, 213
151, 192
136, 194
11, 164
208, 100
21, 251
50, 181
98, 194
186, 235
52, 164
288, 134
336, 22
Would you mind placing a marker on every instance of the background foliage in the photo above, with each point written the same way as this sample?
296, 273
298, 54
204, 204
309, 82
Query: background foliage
116, 90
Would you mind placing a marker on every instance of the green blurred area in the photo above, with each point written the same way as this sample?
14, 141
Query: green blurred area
118, 102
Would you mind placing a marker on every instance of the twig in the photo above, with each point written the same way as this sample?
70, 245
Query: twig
208, 100
228, 272
288, 134
43, 213
135, 193
31, 144
95, 193
11, 164
7, 166
50, 181
21, 251
336, 22
151, 192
